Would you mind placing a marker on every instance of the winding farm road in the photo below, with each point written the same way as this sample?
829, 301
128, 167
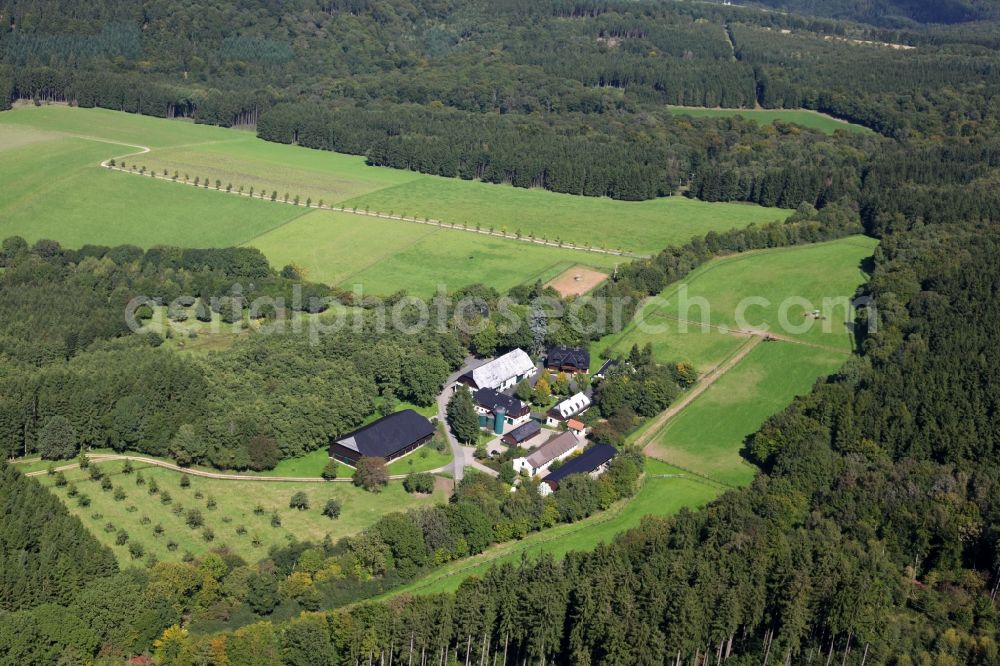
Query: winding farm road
107, 457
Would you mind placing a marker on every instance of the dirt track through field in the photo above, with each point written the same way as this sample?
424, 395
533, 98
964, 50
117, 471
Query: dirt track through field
107, 457
654, 428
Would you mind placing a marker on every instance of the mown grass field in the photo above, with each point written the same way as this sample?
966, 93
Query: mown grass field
659, 495
707, 436
636, 226
769, 287
811, 119
236, 501
53, 188
239, 158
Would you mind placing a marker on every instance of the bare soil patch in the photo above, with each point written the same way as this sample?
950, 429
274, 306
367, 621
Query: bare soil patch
576, 281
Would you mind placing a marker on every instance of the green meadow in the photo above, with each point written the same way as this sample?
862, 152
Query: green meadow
775, 290
805, 118
75, 202
707, 436
235, 504
635, 226
664, 492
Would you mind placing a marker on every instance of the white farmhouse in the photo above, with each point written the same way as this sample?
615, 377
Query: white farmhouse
559, 447
571, 406
501, 373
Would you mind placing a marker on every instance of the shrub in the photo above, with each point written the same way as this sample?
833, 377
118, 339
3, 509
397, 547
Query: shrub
109, 527
106, 483
422, 482
185, 481
241, 530
211, 504
71, 490
96, 474
140, 480
121, 537
194, 519
127, 468
330, 470
299, 501
165, 498
145, 520
275, 520
332, 509
119, 494
208, 534
60, 480
158, 529
135, 550
171, 545
83, 500
258, 510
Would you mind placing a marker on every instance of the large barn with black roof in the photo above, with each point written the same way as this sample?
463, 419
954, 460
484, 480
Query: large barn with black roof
390, 437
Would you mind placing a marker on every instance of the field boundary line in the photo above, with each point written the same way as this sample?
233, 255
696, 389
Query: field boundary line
220, 476
353, 210
712, 376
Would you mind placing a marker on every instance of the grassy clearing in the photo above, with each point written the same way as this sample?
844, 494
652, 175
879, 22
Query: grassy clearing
814, 273
658, 496
811, 119
708, 435
791, 281
236, 501
636, 226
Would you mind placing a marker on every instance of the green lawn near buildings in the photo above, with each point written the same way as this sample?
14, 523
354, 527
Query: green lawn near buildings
661, 494
811, 119
235, 505
423, 459
636, 226
708, 435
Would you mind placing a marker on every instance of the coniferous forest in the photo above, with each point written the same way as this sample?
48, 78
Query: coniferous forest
871, 533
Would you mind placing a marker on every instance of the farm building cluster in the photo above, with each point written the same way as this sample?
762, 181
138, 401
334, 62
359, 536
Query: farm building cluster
554, 442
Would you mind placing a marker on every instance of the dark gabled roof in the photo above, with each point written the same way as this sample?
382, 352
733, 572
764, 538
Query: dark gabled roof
389, 434
525, 431
584, 463
493, 400
578, 358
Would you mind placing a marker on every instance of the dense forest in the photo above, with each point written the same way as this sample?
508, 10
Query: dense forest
871, 535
